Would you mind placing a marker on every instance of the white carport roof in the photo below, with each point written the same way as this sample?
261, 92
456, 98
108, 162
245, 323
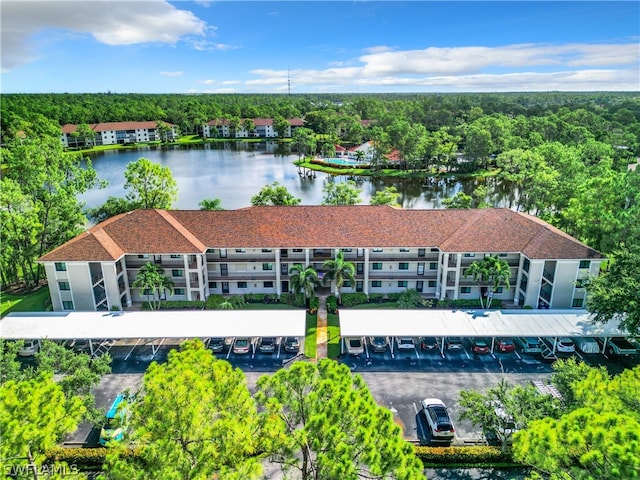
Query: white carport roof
163, 324
479, 323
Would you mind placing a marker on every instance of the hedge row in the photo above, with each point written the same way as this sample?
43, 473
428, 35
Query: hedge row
475, 455
177, 305
472, 455
85, 457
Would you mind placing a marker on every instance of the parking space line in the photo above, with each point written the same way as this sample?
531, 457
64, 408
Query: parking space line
517, 354
466, 353
417, 354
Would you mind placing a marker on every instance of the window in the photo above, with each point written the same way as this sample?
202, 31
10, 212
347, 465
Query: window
64, 286
580, 283
433, 265
267, 285
465, 290
405, 250
267, 266
360, 268
469, 255
403, 283
173, 255
435, 250
577, 302
421, 268
297, 250
526, 264
376, 266
67, 305
143, 256
177, 273
213, 284
376, 250
523, 283
403, 266
585, 264
346, 284
347, 250
432, 283
242, 284
240, 250
502, 254
178, 291
499, 290
376, 284
421, 252
61, 267
147, 292
266, 250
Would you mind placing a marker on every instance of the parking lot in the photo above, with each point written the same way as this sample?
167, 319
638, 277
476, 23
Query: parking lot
398, 381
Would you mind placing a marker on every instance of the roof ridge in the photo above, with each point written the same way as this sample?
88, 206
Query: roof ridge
107, 242
184, 231
471, 221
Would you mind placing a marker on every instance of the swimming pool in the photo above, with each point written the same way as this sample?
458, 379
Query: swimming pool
340, 162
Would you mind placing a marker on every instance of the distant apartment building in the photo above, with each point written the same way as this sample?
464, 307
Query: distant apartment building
252, 250
263, 128
114, 133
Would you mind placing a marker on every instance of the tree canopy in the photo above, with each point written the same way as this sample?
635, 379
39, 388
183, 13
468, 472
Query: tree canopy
150, 185
195, 419
274, 194
613, 295
343, 193
334, 428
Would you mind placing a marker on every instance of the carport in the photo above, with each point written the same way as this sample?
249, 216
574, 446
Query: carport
475, 323
155, 325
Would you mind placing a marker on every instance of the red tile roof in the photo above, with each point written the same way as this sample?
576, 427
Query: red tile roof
193, 231
109, 126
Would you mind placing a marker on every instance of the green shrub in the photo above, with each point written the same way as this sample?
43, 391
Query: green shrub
295, 299
214, 301
332, 304
254, 297
394, 296
314, 303
468, 303
181, 304
376, 298
463, 455
351, 299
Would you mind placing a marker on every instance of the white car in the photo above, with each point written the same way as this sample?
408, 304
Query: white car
355, 345
29, 348
438, 418
565, 345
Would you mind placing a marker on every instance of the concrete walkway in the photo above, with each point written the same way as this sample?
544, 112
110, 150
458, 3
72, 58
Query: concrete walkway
321, 329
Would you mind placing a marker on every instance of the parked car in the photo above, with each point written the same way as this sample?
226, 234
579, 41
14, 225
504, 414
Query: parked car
378, 344
453, 343
530, 344
618, 346
29, 348
505, 345
241, 345
406, 343
429, 343
267, 344
480, 345
586, 345
355, 346
216, 344
292, 344
438, 418
563, 345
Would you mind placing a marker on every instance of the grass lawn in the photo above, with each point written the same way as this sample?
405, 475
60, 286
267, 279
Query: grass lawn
310, 341
36, 301
333, 335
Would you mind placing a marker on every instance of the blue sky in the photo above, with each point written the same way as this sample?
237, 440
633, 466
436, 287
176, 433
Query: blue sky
157, 46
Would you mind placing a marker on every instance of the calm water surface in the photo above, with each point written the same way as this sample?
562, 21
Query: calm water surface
236, 172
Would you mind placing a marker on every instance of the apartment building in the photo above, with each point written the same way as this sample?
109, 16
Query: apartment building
114, 133
263, 128
251, 250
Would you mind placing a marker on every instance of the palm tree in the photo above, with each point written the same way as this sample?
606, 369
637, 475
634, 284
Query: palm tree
360, 155
304, 280
491, 271
151, 280
338, 270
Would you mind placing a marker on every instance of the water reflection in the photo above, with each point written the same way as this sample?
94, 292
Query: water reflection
235, 171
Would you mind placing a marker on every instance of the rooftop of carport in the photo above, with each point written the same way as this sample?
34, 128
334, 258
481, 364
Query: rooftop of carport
479, 323
154, 324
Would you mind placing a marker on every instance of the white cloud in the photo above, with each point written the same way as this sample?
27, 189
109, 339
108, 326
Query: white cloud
119, 23
206, 45
171, 74
521, 67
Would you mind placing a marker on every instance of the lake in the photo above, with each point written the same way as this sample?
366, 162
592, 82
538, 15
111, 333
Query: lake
236, 171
